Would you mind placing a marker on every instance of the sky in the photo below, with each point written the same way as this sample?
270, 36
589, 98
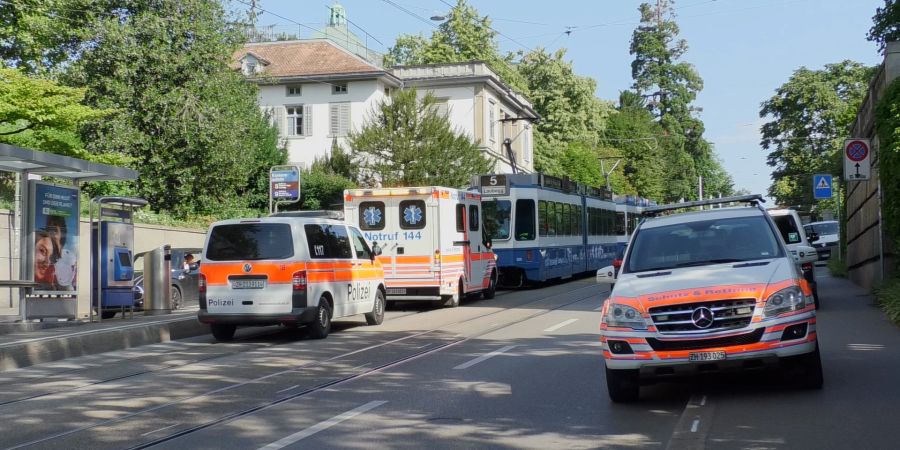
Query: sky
743, 49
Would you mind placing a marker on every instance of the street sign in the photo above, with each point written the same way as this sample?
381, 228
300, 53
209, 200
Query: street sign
284, 184
857, 159
822, 186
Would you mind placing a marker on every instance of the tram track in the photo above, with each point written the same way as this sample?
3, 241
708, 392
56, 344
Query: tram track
328, 383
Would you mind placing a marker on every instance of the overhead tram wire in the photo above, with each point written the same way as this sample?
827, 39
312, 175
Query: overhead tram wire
401, 8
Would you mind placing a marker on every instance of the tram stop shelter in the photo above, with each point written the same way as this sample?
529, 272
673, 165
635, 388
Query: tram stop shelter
17, 266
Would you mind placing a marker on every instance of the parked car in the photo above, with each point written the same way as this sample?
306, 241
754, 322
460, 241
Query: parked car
184, 282
796, 239
829, 233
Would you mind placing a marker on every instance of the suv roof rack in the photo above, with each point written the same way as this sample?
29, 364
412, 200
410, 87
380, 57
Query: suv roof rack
323, 214
752, 199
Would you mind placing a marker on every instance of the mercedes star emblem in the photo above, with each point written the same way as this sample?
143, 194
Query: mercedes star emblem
702, 317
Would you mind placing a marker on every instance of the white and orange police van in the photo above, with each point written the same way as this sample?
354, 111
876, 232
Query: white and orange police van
431, 239
707, 291
291, 269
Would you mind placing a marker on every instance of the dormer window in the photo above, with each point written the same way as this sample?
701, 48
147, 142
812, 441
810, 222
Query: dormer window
250, 68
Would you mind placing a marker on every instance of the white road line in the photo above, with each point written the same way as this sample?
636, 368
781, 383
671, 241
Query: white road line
321, 426
288, 389
484, 357
361, 366
163, 428
560, 325
426, 345
695, 425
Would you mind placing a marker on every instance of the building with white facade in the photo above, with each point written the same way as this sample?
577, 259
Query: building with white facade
317, 90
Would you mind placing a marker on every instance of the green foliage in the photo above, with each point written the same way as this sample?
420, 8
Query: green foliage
42, 115
408, 143
338, 162
464, 36
580, 162
886, 24
668, 88
887, 126
810, 117
887, 295
837, 267
569, 110
322, 190
631, 129
193, 125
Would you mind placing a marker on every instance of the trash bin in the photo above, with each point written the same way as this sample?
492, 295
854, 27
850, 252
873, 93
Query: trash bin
157, 281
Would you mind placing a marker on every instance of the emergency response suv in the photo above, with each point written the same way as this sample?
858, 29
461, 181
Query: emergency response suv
292, 269
707, 291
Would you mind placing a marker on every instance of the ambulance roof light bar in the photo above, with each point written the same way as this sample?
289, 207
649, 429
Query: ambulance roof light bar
322, 214
753, 199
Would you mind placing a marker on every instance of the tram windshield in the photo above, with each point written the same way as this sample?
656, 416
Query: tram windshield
496, 219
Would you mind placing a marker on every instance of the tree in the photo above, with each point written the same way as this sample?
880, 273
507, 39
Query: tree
323, 190
192, 123
569, 110
42, 115
886, 24
669, 87
580, 162
406, 142
809, 116
464, 36
632, 131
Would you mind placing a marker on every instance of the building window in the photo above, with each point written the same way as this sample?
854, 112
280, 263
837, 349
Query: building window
294, 90
249, 68
340, 118
339, 88
299, 120
492, 120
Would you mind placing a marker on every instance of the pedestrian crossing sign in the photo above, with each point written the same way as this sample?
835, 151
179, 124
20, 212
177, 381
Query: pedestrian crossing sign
822, 186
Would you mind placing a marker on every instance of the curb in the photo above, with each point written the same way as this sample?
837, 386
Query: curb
43, 350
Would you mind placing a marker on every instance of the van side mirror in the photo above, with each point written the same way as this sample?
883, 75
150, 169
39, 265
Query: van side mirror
606, 275
812, 236
376, 249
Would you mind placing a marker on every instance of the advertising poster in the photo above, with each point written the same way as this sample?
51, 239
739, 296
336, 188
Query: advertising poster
54, 226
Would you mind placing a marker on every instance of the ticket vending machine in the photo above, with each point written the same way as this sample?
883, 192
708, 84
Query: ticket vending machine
112, 245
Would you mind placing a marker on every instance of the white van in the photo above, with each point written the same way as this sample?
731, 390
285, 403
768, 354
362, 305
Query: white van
792, 232
289, 269
431, 240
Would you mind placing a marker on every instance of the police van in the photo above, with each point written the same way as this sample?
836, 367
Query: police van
290, 269
431, 239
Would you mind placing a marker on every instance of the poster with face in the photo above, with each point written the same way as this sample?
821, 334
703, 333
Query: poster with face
54, 222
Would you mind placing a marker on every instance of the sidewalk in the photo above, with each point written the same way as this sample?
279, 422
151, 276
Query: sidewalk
27, 344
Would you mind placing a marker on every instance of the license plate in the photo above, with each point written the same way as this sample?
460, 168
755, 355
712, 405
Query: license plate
707, 356
248, 284
396, 291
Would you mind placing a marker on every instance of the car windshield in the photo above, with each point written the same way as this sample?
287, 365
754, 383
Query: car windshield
824, 228
788, 229
702, 243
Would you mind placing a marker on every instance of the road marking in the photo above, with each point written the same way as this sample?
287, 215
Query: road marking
163, 428
361, 366
321, 426
560, 325
483, 358
426, 345
288, 389
695, 425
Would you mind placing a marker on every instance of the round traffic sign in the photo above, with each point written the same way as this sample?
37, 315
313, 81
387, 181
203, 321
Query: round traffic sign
857, 150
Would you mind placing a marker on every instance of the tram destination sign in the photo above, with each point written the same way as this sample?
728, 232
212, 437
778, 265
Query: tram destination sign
494, 185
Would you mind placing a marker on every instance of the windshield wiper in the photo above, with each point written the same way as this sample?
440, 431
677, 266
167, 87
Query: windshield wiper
708, 262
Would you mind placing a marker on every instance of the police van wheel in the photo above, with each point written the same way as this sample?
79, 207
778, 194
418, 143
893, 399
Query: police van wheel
811, 366
492, 287
321, 326
377, 315
623, 385
223, 332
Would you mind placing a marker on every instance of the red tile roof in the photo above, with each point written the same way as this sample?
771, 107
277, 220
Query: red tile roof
304, 58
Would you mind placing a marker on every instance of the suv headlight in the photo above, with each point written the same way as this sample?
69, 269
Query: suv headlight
786, 300
618, 315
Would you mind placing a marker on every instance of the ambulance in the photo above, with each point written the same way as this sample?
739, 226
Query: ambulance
707, 291
291, 269
431, 241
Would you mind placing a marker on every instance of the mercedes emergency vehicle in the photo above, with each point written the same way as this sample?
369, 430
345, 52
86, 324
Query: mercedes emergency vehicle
431, 239
292, 269
706, 291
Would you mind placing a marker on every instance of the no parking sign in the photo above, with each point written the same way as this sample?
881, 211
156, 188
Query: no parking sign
857, 160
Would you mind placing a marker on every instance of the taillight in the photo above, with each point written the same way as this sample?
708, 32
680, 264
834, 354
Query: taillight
617, 263
298, 280
201, 284
807, 266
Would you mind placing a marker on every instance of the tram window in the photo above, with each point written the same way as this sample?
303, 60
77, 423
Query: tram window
557, 219
495, 216
542, 216
473, 217
525, 220
570, 219
460, 218
620, 223
564, 216
579, 220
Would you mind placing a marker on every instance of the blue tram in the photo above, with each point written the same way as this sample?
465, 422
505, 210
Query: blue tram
543, 227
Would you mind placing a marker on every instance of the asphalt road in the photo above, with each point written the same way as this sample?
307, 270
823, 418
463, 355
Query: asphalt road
520, 371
